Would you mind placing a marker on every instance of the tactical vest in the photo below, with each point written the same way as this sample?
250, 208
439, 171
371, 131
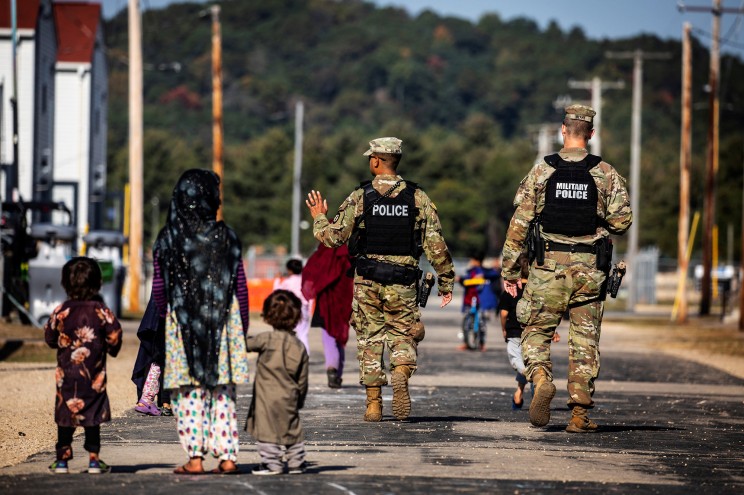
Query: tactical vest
389, 223
570, 197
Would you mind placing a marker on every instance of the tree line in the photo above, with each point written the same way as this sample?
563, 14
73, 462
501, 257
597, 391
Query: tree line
463, 96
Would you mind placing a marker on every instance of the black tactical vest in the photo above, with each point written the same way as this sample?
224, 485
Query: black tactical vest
389, 223
570, 197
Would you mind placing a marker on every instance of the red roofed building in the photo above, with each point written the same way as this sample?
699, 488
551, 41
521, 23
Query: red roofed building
36, 53
81, 112
27, 14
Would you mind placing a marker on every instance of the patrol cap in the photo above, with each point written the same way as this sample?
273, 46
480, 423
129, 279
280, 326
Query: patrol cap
384, 145
580, 112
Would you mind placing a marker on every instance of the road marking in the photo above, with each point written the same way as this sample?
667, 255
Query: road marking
342, 488
252, 488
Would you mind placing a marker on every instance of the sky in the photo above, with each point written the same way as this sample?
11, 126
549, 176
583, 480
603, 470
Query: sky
598, 18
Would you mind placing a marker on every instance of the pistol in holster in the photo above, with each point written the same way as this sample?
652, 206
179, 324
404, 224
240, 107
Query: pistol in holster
535, 243
616, 278
424, 289
603, 250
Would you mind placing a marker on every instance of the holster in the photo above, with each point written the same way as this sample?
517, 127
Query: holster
604, 262
386, 273
604, 254
535, 244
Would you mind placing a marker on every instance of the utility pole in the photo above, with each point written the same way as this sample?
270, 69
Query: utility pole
217, 157
596, 86
711, 163
135, 155
11, 170
685, 160
545, 139
635, 162
741, 270
297, 175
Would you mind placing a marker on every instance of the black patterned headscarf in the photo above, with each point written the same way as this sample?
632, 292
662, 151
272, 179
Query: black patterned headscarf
199, 257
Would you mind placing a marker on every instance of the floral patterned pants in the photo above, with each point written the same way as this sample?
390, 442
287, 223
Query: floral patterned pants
207, 421
152, 385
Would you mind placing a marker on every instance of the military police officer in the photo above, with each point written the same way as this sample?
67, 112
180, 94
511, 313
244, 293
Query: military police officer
578, 200
389, 223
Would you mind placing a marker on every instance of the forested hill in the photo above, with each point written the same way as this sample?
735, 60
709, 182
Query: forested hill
463, 96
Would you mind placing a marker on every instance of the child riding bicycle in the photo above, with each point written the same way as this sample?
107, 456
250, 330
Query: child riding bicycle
479, 283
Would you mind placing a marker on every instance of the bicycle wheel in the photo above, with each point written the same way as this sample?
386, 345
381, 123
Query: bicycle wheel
482, 332
469, 336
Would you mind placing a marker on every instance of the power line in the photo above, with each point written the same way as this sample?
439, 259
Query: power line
709, 36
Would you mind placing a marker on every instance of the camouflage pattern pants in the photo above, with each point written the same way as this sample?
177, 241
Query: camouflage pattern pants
566, 281
384, 314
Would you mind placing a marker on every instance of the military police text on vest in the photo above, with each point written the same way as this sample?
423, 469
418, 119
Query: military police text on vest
571, 191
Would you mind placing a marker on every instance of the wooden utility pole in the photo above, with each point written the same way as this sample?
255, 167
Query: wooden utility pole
711, 163
638, 57
685, 160
741, 269
217, 158
135, 155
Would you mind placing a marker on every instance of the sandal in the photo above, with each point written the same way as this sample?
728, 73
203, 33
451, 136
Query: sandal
184, 470
220, 470
166, 411
148, 409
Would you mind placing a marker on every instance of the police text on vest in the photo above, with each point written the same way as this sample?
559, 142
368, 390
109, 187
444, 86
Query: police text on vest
390, 210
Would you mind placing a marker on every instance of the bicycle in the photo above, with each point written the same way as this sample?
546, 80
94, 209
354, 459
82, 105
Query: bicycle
474, 322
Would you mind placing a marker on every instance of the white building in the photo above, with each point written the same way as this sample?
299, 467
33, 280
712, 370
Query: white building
80, 113
35, 59
62, 88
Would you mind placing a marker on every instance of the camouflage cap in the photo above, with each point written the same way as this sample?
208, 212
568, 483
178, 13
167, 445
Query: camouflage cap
580, 112
384, 145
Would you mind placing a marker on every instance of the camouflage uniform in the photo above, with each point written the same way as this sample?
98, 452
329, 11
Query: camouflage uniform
566, 280
388, 314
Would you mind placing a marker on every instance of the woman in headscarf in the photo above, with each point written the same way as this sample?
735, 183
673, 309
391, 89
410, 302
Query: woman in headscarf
326, 279
199, 284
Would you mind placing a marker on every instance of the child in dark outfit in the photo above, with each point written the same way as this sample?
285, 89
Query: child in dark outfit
512, 331
279, 388
83, 330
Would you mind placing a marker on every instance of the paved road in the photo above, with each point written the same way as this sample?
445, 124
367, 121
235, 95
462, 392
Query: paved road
667, 426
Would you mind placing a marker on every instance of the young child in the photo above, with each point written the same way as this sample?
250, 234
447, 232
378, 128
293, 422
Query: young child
512, 331
279, 388
293, 283
147, 373
479, 283
83, 330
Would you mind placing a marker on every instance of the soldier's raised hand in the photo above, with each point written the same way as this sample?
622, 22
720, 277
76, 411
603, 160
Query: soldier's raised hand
316, 203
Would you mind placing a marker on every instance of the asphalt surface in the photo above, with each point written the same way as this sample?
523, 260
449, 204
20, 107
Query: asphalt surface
667, 426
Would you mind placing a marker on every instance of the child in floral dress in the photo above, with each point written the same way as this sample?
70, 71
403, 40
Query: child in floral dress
83, 330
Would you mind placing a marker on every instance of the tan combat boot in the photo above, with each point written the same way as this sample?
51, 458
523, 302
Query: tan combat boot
374, 404
401, 398
580, 422
544, 393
